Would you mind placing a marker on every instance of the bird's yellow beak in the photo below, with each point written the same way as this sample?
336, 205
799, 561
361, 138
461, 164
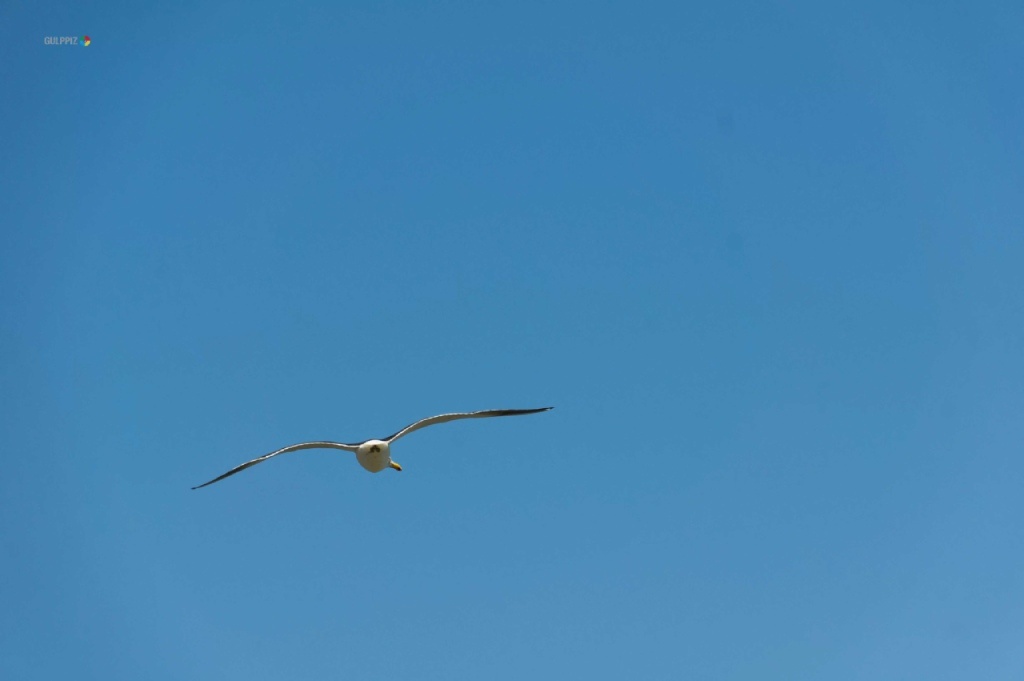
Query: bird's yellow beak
395, 466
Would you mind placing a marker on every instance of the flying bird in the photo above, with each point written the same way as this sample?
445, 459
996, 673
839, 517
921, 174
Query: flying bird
375, 455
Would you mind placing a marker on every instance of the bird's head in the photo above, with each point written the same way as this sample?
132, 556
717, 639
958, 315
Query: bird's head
375, 456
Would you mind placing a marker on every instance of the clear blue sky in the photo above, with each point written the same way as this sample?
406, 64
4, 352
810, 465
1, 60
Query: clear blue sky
766, 262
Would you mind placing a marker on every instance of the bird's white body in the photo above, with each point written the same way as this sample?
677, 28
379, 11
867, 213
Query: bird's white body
374, 455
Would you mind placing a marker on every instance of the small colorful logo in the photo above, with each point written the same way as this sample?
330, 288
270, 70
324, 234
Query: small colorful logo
86, 40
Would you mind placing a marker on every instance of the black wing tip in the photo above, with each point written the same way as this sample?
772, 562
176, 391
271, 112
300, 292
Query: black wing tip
217, 479
513, 412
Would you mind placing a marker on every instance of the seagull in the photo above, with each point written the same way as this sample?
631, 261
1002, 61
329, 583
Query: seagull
375, 455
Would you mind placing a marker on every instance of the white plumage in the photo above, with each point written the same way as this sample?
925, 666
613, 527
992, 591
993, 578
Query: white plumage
375, 455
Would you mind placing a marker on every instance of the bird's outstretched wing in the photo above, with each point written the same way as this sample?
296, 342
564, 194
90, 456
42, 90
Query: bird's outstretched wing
284, 450
444, 418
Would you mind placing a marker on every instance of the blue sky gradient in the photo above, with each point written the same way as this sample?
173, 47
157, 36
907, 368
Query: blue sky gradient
765, 261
